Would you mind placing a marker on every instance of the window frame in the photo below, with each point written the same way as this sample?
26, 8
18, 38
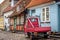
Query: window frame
20, 20
33, 12
45, 15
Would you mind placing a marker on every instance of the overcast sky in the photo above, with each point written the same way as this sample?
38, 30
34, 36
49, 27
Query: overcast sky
1, 1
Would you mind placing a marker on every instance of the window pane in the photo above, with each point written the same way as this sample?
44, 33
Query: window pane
43, 14
47, 9
17, 20
47, 14
22, 19
33, 11
43, 10
33, 20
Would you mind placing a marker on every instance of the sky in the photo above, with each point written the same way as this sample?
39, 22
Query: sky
1, 1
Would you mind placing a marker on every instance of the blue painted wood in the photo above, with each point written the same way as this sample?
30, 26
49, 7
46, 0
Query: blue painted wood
54, 16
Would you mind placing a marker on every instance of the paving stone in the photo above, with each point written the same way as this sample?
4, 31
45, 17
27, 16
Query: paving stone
16, 36
10, 36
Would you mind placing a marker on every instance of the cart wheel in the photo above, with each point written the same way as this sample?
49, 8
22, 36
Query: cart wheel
32, 37
28, 34
46, 35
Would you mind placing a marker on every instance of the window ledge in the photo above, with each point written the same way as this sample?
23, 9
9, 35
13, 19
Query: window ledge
45, 22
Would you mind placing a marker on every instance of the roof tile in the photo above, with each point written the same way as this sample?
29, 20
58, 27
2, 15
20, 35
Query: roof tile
7, 9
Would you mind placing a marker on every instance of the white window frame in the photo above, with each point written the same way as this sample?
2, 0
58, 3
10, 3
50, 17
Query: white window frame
32, 12
45, 15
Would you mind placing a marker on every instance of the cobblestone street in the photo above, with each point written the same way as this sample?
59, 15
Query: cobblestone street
11, 36
16, 36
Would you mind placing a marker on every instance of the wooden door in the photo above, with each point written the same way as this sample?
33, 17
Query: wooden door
15, 22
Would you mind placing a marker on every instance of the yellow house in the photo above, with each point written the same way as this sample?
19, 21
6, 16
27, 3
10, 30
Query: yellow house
3, 5
1, 23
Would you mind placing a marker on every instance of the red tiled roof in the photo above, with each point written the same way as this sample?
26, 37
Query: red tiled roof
37, 2
7, 9
22, 9
16, 13
10, 8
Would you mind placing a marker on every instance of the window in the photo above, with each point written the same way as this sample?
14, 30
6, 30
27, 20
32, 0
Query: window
24, 2
33, 20
45, 14
15, 1
17, 20
18, 9
22, 20
33, 11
